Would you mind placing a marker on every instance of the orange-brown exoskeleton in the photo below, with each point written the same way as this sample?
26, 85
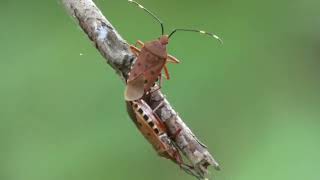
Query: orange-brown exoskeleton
152, 58
153, 129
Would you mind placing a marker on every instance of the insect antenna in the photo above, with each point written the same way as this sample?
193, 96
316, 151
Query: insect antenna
199, 31
150, 13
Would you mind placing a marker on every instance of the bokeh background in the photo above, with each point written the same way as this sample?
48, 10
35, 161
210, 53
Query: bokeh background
254, 101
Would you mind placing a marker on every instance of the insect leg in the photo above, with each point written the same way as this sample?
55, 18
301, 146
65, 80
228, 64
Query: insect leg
166, 72
158, 106
191, 170
172, 59
176, 157
135, 50
139, 43
159, 85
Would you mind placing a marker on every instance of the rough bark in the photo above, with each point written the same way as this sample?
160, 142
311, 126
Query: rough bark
118, 55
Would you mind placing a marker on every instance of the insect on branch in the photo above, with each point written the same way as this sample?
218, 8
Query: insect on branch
117, 53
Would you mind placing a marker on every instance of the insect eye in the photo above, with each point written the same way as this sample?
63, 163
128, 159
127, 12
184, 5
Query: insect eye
145, 117
135, 105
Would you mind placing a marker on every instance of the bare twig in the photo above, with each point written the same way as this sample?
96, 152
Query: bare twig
116, 51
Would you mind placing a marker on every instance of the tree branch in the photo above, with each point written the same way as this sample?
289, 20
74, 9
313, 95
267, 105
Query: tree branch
118, 55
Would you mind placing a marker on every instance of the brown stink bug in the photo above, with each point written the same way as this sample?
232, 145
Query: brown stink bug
152, 58
153, 129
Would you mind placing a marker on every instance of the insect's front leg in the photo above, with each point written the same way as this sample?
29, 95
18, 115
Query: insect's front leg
136, 51
139, 43
172, 59
159, 85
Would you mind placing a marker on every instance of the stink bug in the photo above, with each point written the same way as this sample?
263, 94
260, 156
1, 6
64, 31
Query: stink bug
153, 129
152, 58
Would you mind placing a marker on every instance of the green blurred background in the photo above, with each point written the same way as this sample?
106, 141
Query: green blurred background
254, 101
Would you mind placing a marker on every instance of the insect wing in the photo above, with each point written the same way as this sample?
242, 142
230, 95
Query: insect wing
154, 62
135, 88
139, 66
143, 75
153, 70
135, 83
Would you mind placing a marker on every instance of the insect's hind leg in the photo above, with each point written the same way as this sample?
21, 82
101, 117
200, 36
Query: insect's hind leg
159, 85
158, 106
166, 72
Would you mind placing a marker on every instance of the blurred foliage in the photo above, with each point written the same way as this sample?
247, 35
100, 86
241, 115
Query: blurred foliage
254, 101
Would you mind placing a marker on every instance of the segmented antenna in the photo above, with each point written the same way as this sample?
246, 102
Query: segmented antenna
199, 31
154, 16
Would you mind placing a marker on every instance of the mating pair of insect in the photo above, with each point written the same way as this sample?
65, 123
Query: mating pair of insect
146, 71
